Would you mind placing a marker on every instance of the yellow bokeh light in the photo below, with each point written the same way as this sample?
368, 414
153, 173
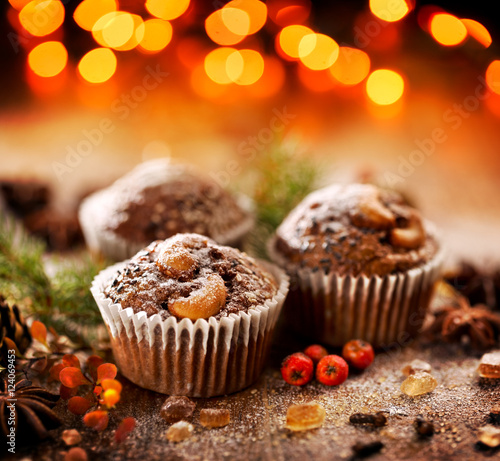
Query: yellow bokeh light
42, 17
98, 65
114, 29
478, 31
157, 35
290, 38
384, 87
18, 4
167, 9
48, 59
218, 31
245, 67
351, 67
136, 36
318, 51
493, 76
447, 29
88, 12
256, 11
389, 10
236, 21
216, 65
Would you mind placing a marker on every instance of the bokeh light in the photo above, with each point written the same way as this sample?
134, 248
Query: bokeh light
88, 12
256, 11
114, 29
227, 26
493, 76
48, 59
478, 32
447, 29
216, 65
98, 65
136, 37
18, 4
245, 67
389, 10
42, 17
384, 87
290, 37
272, 79
167, 9
318, 51
289, 12
157, 34
351, 67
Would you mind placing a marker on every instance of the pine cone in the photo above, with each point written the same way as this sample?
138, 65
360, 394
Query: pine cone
12, 326
32, 411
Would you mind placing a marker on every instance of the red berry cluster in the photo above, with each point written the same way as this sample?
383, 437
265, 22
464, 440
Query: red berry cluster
332, 370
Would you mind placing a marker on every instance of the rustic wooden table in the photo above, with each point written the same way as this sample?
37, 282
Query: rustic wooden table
458, 407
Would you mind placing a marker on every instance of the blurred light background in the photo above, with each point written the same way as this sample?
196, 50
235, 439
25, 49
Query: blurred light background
403, 91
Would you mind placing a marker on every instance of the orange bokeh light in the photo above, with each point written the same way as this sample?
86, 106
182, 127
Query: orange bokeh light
478, 32
98, 65
136, 37
167, 9
384, 87
113, 29
88, 12
289, 39
216, 26
256, 11
447, 29
19, 4
318, 51
289, 12
351, 67
272, 79
157, 35
48, 59
42, 17
245, 67
389, 10
216, 65
493, 76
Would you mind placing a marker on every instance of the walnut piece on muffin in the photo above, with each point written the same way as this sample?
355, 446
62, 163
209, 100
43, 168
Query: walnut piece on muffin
355, 229
191, 276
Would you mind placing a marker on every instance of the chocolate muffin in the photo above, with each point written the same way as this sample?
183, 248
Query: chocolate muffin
159, 199
187, 316
362, 262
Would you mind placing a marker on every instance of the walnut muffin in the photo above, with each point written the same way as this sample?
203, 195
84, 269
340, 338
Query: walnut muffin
188, 316
362, 262
159, 199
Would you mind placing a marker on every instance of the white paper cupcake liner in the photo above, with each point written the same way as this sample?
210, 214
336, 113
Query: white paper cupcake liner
385, 311
198, 359
95, 220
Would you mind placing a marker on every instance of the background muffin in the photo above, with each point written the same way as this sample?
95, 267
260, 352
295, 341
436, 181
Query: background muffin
157, 200
363, 264
187, 316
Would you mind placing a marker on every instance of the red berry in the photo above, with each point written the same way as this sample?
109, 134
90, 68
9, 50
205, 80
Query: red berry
316, 352
332, 370
297, 369
358, 353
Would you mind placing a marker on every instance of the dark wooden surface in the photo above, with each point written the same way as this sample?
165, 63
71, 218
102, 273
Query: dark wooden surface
459, 405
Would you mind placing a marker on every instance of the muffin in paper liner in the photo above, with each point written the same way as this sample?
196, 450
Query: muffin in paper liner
204, 358
100, 209
383, 310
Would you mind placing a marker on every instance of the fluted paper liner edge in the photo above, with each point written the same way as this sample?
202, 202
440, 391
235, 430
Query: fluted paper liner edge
386, 311
198, 359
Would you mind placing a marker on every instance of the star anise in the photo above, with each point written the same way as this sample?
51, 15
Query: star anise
479, 286
459, 320
31, 407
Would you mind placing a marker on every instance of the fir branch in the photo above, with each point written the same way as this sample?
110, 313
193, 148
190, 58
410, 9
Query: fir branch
281, 179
